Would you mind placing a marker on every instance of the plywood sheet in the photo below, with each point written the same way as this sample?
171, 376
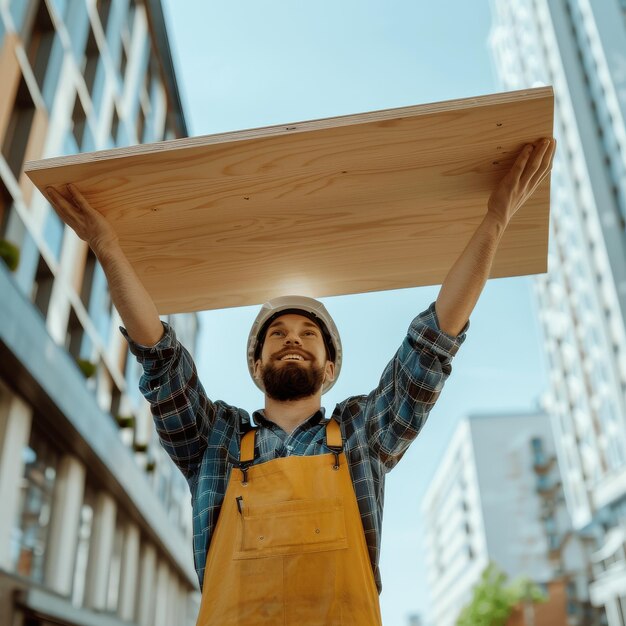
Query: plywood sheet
351, 204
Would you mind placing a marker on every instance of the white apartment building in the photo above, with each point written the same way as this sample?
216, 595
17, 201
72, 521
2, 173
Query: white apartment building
95, 520
496, 496
579, 47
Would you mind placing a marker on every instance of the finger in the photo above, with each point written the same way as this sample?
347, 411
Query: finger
520, 163
59, 200
545, 167
535, 163
78, 196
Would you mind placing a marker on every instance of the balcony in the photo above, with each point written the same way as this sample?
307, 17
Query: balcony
547, 486
542, 464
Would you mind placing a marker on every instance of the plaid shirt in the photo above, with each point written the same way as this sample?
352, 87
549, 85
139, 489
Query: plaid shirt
202, 436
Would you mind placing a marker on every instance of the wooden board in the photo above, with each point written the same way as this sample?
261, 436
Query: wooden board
343, 205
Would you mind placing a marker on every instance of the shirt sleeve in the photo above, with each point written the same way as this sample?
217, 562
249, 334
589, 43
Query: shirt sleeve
409, 387
182, 412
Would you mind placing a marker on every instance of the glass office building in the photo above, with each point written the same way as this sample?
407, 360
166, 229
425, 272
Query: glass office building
95, 520
579, 47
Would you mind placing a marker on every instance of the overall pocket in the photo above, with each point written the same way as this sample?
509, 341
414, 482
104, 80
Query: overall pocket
292, 527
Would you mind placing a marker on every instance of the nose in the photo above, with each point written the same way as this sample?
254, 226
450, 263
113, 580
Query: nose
292, 336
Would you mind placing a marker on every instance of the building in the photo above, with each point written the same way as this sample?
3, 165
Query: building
496, 496
414, 620
95, 520
578, 47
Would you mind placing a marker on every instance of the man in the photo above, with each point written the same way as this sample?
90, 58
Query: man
287, 511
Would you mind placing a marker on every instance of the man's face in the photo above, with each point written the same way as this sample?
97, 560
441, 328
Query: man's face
293, 379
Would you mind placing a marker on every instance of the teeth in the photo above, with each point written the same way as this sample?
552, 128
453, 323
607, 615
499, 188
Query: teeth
292, 357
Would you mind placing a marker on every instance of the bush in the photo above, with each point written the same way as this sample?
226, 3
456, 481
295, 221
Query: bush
10, 254
86, 367
493, 602
125, 421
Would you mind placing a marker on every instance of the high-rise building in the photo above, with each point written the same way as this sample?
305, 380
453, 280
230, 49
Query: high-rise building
95, 520
496, 496
414, 620
578, 47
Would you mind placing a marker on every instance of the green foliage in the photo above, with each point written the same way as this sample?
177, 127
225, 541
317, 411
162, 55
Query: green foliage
86, 367
10, 254
493, 600
125, 421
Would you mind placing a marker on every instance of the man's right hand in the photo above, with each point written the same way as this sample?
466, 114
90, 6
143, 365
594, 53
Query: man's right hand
90, 225
129, 296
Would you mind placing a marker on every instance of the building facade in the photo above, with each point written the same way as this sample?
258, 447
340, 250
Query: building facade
578, 47
95, 520
496, 496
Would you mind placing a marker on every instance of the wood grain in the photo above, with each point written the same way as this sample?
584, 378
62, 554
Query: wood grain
351, 204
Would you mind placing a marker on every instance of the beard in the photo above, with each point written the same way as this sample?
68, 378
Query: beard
291, 381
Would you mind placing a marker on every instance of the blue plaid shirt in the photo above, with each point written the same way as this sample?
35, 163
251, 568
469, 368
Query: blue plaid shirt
202, 436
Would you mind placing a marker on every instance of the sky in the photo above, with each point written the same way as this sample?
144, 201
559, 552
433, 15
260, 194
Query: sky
243, 65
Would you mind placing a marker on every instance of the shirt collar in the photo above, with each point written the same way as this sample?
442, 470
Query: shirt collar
319, 417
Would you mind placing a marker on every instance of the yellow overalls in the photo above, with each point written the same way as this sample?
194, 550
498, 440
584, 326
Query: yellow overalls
288, 547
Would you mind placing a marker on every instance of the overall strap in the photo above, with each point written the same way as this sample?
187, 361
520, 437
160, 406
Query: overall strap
334, 440
246, 454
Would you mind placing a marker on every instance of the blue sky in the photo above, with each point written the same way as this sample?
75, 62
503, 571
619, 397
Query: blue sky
250, 64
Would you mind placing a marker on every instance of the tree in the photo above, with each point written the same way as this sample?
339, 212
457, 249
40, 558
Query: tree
493, 601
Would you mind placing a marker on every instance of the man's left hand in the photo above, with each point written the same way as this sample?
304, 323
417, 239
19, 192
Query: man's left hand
532, 165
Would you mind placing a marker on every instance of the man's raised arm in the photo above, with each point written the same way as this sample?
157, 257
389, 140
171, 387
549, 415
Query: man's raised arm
467, 277
183, 414
129, 296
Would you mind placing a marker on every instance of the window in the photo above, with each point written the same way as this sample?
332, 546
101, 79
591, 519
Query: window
141, 123
42, 287
79, 121
53, 232
100, 303
22, 12
116, 399
39, 44
76, 21
2, 32
60, 6
126, 33
6, 202
28, 542
18, 129
115, 124
123, 62
88, 274
90, 60
132, 374
539, 457
74, 336
104, 8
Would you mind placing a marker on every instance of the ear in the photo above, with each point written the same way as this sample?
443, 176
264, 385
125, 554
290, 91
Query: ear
330, 370
257, 365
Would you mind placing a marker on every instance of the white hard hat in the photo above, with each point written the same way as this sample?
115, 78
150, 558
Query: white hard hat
302, 305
